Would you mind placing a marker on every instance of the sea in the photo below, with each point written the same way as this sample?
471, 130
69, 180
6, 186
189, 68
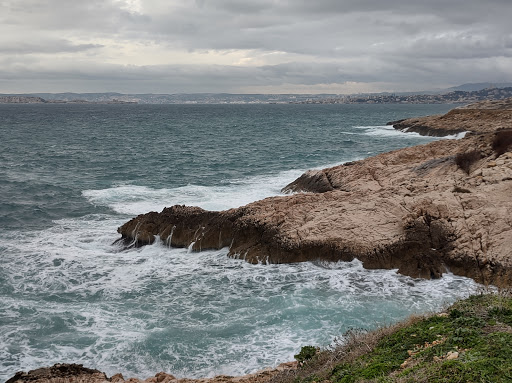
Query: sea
70, 175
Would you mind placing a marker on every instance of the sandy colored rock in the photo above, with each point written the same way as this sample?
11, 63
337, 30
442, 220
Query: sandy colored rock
401, 209
117, 378
458, 121
76, 373
313, 180
163, 377
452, 355
412, 209
490, 104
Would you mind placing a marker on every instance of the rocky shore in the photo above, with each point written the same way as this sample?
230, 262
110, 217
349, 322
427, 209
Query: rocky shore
471, 341
67, 373
422, 210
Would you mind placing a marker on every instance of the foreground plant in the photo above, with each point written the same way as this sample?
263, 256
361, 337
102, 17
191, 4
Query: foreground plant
470, 342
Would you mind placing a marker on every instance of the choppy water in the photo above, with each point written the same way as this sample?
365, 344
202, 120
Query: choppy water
71, 174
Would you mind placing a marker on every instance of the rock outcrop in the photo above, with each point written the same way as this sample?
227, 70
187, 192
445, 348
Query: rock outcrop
70, 373
60, 373
417, 209
476, 120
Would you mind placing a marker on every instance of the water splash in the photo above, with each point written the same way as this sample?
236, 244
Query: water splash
193, 314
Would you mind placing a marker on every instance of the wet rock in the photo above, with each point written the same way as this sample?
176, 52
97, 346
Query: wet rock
60, 373
315, 181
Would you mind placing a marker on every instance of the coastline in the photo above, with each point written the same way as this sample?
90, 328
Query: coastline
467, 341
417, 209
427, 227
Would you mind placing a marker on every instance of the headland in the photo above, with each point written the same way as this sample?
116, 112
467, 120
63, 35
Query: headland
423, 210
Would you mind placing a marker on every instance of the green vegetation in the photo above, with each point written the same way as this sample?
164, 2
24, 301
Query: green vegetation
470, 342
306, 353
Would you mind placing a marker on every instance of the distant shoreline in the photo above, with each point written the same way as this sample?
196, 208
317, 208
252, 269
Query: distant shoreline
40, 100
452, 97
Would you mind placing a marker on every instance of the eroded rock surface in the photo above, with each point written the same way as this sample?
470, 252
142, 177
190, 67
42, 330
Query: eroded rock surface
414, 209
76, 373
60, 373
460, 120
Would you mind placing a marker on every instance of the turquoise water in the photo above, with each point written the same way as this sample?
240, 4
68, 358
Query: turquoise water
71, 174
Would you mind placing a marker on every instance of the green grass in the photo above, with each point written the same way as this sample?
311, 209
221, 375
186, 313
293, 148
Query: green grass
477, 332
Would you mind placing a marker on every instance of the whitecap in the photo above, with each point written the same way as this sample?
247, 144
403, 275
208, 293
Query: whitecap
388, 131
134, 199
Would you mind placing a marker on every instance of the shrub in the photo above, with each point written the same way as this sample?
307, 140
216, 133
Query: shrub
502, 142
306, 353
465, 160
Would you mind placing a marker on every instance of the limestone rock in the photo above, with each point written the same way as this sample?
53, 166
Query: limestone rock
452, 355
313, 180
403, 209
458, 121
117, 378
72, 373
163, 377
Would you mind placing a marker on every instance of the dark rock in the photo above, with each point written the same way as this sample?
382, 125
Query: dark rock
69, 372
315, 181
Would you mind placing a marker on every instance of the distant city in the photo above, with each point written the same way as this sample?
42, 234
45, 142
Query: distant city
447, 97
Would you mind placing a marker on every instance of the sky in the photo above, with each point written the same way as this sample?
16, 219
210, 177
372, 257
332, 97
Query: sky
252, 46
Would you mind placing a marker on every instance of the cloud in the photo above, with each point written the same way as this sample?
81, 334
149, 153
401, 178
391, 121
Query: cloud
46, 47
227, 45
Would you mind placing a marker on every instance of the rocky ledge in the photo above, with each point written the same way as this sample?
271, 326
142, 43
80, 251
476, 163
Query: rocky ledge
76, 373
422, 210
476, 118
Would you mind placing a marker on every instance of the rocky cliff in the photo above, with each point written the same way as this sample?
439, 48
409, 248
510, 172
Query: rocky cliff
423, 210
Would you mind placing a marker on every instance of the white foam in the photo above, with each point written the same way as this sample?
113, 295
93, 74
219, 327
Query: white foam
388, 131
132, 199
191, 314
455, 136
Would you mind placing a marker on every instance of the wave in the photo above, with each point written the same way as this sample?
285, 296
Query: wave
389, 131
191, 314
133, 199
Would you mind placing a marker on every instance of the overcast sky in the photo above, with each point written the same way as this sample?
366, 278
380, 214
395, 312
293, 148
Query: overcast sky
252, 46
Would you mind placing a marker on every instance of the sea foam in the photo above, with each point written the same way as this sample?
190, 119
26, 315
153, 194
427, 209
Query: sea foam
70, 295
149, 309
134, 199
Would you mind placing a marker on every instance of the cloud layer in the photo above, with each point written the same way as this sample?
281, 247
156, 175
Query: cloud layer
334, 46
